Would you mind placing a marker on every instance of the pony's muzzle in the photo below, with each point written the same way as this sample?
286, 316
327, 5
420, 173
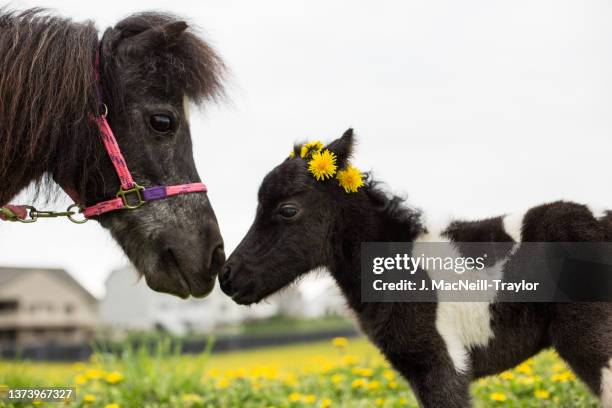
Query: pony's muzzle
190, 261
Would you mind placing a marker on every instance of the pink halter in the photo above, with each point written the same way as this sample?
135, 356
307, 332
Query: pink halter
129, 197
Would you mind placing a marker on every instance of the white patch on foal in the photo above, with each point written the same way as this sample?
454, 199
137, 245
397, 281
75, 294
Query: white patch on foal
598, 211
513, 225
462, 325
606, 386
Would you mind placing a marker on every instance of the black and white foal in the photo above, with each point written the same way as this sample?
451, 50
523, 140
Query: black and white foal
303, 224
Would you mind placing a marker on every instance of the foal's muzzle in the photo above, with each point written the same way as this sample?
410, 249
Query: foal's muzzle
242, 289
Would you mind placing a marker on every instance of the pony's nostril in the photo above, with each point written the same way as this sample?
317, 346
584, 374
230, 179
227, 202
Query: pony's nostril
218, 259
224, 280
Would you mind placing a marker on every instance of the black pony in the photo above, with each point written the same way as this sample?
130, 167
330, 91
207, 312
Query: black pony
303, 224
151, 65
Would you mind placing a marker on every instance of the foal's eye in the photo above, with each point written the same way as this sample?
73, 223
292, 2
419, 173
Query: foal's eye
161, 123
288, 211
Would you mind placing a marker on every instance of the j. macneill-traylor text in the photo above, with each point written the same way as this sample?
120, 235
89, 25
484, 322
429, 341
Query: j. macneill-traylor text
459, 285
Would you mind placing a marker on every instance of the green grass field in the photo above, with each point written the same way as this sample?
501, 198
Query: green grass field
337, 374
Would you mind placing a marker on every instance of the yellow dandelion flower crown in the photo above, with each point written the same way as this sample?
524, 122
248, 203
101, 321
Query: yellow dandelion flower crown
322, 165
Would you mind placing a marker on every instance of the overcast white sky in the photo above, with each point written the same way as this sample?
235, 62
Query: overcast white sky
471, 108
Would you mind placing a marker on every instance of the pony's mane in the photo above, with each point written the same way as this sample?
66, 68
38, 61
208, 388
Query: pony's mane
47, 93
48, 88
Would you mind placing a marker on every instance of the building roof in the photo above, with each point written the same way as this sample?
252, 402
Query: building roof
9, 273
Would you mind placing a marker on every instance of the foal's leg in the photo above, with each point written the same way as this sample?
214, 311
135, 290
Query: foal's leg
435, 383
582, 334
442, 388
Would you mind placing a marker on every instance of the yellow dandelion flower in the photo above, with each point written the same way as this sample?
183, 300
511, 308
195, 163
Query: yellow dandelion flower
323, 164
526, 380
558, 367
359, 383
393, 385
112, 406
295, 397
94, 374
340, 342
507, 375
498, 396
223, 383
563, 377
350, 179
542, 394
402, 401
364, 372
310, 398
310, 146
114, 377
373, 385
337, 378
192, 398
349, 360
89, 398
80, 379
325, 403
524, 368
379, 402
389, 375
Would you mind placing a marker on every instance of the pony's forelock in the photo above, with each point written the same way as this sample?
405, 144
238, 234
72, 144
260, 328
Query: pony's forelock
190, 64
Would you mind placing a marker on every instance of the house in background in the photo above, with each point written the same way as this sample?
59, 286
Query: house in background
129, 304
41, 306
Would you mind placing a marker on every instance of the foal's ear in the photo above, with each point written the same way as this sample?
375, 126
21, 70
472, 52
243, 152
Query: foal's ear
343, 147
153, 38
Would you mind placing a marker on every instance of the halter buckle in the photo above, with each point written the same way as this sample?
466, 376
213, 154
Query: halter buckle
136, 202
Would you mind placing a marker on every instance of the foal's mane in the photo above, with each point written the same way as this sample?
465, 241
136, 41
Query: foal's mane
403, 221
48, 89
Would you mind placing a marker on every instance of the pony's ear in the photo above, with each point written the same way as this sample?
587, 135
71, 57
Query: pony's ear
343, 147
153, 38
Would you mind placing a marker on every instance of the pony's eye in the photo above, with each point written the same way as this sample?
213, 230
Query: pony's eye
161, 123
288, 211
